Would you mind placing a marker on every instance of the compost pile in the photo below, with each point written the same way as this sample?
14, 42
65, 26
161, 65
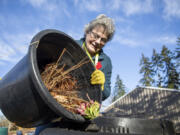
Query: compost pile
62, 85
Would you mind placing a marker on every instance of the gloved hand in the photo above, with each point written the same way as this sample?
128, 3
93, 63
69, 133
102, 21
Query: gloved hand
98, 77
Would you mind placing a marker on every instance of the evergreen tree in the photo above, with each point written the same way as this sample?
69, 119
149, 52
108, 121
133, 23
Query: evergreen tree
119, 89
147, 71
177, 58
157, 66
171, 76
177, 54
163, 69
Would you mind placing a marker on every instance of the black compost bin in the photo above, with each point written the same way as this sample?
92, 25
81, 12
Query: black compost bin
25, 100
135, 126
113, 126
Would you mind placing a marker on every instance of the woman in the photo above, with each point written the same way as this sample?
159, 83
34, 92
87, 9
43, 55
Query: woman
97, 33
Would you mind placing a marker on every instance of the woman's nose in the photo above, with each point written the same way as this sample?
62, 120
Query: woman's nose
98, 40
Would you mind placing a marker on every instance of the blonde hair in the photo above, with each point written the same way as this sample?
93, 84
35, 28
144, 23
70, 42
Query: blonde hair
104, 21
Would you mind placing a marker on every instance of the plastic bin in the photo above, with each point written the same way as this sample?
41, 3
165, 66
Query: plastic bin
113, 126
3, 131
25, 100
135, 126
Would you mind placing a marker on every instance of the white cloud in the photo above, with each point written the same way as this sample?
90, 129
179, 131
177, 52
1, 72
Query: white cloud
166, 39
76, 2
13, 47
46, 5
2, 64
37, 3
123, 40
75, 35
115, 4
93, 5
66, 12
90, 5
172, 9
19, 42
135, 41
6, 52
50, 10
119, 19
131, 7
126, 35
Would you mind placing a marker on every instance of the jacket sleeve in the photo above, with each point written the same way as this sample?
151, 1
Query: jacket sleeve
107, 86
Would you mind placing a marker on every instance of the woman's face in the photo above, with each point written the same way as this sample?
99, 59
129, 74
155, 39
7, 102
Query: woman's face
96, 39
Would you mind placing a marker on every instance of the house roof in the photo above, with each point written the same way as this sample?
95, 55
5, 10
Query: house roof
148, 103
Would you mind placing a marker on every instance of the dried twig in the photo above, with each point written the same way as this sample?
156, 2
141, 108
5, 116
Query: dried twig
61, 85
61, 56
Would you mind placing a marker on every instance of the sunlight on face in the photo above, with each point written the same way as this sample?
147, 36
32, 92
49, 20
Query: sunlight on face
96, 39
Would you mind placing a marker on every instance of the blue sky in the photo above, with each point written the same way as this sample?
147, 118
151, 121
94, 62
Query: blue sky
141, 25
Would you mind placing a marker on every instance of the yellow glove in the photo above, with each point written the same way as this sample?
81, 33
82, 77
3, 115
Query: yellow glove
98, 77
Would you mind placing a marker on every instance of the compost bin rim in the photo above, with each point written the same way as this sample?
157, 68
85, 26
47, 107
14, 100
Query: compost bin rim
42, 90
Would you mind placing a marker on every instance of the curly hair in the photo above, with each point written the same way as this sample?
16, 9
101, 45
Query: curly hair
103, 20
